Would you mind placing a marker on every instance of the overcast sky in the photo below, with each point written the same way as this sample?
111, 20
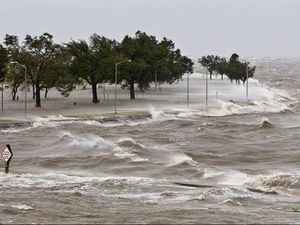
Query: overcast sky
248, 27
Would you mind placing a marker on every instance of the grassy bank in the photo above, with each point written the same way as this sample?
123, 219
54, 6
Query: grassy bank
13, 123
105, 117
112, 116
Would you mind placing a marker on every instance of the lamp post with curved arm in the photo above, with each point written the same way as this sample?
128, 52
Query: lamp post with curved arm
187, 81
25, 70
155, 75
247, 76
116, 80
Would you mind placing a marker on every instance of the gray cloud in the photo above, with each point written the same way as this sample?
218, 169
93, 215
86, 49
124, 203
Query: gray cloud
249, 27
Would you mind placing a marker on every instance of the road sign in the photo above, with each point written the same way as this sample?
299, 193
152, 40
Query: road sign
7, 154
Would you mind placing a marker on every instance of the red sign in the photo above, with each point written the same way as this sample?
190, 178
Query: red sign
7, 154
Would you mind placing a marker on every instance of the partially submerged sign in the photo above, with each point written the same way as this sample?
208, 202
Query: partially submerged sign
7, 156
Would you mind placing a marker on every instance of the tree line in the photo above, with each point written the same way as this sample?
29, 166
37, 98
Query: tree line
233, 68
68, 65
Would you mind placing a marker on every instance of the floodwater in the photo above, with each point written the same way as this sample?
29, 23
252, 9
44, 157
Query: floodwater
231, 163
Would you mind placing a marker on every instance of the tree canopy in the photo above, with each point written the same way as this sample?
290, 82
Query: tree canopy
234, 69
93, 61
65, 66
148, 55
3, 62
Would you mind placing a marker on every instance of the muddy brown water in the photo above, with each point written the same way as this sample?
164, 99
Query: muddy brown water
240, 165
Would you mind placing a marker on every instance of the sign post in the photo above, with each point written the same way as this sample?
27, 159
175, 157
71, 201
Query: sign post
7, 156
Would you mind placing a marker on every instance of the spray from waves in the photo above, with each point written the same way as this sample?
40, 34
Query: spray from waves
266, 100
90, 144
270, 184
276, 181
156, 114
83, 140
270, 105
129, 142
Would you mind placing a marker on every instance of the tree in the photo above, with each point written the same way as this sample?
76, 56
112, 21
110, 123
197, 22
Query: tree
58, 73
92, 62
139, 50
39, 53
3, 62
237, 70
170, 72
211, 62
221, 67
149, 55
14, 75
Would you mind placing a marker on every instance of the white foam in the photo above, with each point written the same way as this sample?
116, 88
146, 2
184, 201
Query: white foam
50, 180
176, 158
22, 207
129, 139
123, 153
234, 178
86, 140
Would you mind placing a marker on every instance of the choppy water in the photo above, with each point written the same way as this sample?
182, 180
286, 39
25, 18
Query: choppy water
234, 164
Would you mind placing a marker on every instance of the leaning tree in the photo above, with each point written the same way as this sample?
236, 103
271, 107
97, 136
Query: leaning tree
149, 56
93, 61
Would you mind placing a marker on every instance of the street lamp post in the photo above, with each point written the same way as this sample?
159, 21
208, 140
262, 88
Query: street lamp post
247, 81
206, 89
187, 82
206, 85
25, 71
2, 90
116, 80
155, 77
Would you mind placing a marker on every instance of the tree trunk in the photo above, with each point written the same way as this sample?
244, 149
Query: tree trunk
210, 75
37, 94
33, 91
132, 94
222, 76
14, 93
94, 90
46, 92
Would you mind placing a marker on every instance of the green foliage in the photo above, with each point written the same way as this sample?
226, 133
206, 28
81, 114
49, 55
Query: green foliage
15, 76
213, 63
50, 65
237, 70
3, 62
46, 63
234, 68
93, 62
148, 56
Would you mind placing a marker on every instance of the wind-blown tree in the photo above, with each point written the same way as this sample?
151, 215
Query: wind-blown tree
243, 74
168, 71
222, 67
58, 73
14, 74
210, 62
92, 62
39, 53
140, 50
15, 77
149, 55
3, 62
237, 70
